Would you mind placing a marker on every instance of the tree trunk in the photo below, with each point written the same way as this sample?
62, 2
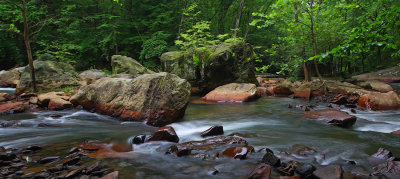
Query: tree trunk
238, 16
251, 20
181, 21
314, 39
28, 46
307, 76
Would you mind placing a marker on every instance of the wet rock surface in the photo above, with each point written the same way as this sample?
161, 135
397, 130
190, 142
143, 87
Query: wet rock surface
16, 164
166, 133
213, 131
332, 117
233, 92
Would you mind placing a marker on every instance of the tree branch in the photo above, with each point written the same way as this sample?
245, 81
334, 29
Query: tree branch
14, 3
44, 23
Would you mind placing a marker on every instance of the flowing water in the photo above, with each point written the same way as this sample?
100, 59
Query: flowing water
267, 122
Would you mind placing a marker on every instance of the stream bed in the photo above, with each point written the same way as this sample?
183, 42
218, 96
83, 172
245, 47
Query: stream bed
267, 123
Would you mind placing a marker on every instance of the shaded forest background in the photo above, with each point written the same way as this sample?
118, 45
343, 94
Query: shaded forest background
342, 37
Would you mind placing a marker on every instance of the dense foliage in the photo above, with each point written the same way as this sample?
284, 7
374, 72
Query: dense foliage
341, 37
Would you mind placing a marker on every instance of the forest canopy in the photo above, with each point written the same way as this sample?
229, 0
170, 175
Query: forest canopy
290, 37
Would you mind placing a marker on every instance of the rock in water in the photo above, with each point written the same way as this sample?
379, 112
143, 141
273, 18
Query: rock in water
158, 99
233, 92
261, 172
124, 64
380, 101
213, 66
333, 117
166, 133
330, 172
212, 131
49, 74
388, 170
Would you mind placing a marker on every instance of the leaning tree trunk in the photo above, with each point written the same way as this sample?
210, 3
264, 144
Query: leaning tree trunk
28, 46
251, 20
303, 48
238, 16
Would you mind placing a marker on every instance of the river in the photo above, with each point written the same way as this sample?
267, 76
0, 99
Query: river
267, 122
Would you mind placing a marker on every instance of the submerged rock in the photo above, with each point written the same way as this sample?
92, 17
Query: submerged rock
270, 159
233, 92
329, 172
212, 131
260, 172
166, 133
380, 101
124, 64
139, 139
103, 150
158, 99
209, 67
332, 117
49, 75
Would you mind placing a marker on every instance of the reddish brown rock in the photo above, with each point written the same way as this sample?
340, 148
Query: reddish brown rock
397, 132
261, 172
103, 150
380, 101
12, 108
6, 97
238, 152
279, 90
204, 146
302, 150
303, 91
233, 92
59, 104
213, 131
166, 133
340, 99
332, 117
263, 91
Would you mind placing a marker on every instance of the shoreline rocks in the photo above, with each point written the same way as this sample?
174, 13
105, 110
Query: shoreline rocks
233, 92
157, 99
49, 74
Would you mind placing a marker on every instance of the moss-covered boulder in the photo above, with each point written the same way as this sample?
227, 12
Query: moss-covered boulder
49, 74
127, 65
157, 99
209, 67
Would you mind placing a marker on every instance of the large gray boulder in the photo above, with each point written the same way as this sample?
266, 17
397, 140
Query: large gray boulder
9, 78
49, 75
157, 99
127, 65
209, 67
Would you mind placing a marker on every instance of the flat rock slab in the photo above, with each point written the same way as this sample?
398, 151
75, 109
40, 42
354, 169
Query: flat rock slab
233, 92
332, 117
